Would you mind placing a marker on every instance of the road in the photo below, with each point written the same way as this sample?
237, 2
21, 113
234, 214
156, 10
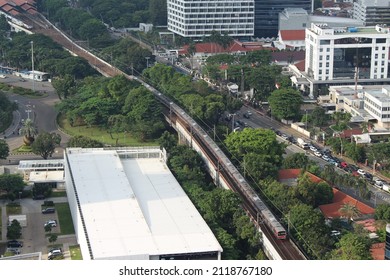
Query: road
40, 109
259, 119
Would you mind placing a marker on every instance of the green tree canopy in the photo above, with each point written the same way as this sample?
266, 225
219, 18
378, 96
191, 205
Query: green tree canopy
285, 103
45, 144
84, 142
295, 160
352, 247
4, 149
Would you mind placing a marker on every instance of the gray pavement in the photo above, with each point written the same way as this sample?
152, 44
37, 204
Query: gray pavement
34, 235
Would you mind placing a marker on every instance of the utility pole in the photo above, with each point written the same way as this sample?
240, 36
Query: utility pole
32, 63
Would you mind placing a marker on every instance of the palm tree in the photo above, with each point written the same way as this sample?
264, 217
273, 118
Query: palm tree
349, 211
29, 131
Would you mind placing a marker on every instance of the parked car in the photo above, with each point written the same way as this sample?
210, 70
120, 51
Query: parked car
55, 253
368, 176
39, 197
15, 251
361, 172
53, 223
284, 136
335, 233
325, 157
246, 115
318, 154
312, 148
14, 244
48, 210
343, 164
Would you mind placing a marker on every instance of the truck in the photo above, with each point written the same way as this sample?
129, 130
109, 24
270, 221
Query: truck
386, 187
301, 143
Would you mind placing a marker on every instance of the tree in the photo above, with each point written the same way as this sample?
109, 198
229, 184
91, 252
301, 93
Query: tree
14, 230
65, 86
295, 160
352, 247
349, 211
12, 184
84, 142
308, 226
167, 140
4, 149
319, 117
45, 144
285, 104
48, 227
29, 131
382, 212
52, 237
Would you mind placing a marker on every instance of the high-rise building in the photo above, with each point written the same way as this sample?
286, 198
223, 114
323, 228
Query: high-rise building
267, 14
199, 18
387, 246
372, 12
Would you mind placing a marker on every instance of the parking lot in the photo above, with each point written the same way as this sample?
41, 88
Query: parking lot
34, 237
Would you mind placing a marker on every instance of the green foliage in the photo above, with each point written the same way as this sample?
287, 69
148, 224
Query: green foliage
382, 212
168, 141
352, 247
285, 104
52, 238
319, 117
12, 184
308, 226
84, 142
42, 189
6, 109
257, 150
295, 160
14, 230
281, 196
4, 149
45, 144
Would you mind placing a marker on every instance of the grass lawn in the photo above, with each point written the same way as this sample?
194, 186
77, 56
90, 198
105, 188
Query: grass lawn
96, 133
75, 252
13, 209
65, 219
22, 149
58, 194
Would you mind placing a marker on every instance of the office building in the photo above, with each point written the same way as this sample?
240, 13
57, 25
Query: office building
199, 18
267, 14
126, 204
344, 56
372, 12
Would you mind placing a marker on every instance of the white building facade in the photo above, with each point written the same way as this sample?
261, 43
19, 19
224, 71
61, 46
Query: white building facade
198, 18
372, 12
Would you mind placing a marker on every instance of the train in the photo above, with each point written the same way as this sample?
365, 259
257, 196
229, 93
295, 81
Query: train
252, 197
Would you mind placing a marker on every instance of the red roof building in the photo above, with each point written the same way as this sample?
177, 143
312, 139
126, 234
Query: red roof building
214, 48
290, 176
378, 251
331, 210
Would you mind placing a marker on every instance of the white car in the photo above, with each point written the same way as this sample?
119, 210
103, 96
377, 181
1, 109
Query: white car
53, 223
3, 76
361, 172
318, 154
325, 157
312, 148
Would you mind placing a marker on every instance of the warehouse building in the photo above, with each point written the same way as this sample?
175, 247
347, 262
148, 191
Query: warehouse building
126, 204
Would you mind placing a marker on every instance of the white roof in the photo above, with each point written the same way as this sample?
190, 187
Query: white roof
46, 176
135, 207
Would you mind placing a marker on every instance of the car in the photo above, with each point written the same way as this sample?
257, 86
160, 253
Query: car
278, 132
48, 210
246, 115
343, 164
325, 157
53, 223
368, 176
55, 253
318, 154
312, 148
3, 76
361, 172
15, 251
39, 197
327, 152
378, 184
14, 244
292, 139
335, 233
284, 136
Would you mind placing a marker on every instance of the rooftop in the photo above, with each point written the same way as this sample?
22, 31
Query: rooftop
133, 206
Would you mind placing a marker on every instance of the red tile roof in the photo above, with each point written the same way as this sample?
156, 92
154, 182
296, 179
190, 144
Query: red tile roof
349, 132
331, 210
368, 224
300, 65
213, 48
378, 251
288, 56
292, 35
294, 173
